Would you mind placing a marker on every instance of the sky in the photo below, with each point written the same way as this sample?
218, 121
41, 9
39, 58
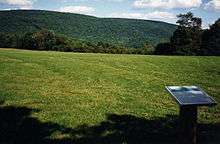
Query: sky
160, 10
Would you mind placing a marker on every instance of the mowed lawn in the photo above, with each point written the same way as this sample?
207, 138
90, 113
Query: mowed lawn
50, 97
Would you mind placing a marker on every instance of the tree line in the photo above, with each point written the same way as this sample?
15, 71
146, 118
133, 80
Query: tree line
190, 39
49, 41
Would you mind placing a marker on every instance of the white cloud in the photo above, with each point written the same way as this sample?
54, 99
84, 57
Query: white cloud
78, 9
92, 0
115, 0
22, 4
127, 15
111, 0
160, 15
156, 15
166, 4
213, 5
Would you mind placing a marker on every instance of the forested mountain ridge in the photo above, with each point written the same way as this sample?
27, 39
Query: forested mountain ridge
128, 32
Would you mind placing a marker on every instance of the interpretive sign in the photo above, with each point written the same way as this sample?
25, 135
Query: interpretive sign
189, 98
190, 95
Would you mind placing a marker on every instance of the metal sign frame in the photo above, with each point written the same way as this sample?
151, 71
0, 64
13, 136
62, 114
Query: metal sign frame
211, 101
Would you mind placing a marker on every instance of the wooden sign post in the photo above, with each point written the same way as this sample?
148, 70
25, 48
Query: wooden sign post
189, 98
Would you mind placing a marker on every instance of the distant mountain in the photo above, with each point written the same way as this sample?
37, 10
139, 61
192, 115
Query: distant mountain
129, 32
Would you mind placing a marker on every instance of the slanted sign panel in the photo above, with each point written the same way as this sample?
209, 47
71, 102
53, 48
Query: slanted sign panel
190, 95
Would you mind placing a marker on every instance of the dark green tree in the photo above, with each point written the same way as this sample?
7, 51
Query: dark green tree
8, 40
28, 42
211, 40
187, 37
45, 39
2, 40
164, 49
188, 20
148, 49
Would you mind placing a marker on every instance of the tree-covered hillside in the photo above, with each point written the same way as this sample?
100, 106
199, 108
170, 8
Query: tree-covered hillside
128, 32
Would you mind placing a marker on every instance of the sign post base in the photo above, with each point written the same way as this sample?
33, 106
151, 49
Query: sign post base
188, 125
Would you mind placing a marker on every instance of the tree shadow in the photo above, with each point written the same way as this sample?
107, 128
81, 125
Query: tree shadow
17, 126
126, 129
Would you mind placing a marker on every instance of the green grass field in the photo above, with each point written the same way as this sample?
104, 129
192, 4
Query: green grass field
55, 97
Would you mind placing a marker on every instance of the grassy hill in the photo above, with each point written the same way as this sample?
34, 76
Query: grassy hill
129, 32
54, 97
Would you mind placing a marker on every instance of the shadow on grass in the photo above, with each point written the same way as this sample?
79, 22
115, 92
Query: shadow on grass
16, 126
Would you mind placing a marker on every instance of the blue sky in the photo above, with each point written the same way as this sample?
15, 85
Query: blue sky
163, 10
